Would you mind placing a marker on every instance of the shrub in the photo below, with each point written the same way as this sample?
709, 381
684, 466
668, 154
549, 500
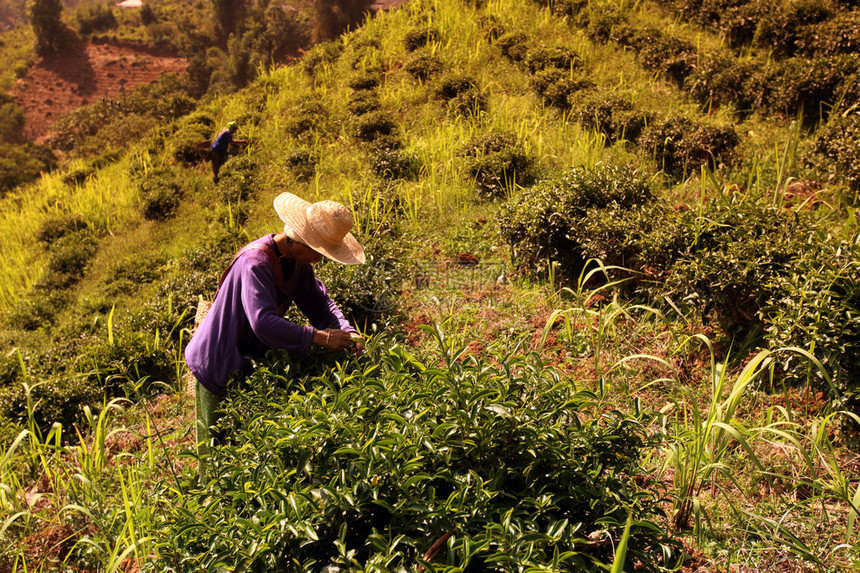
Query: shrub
302, 163
320, 56
362, 102
394, 163
13, 119
814, 306
374, 125
71, 253
780, 28
513, 45
367, 294
492, 27
419, 37
161, 194
497, 163
610, 114
308, 114
674, 58
545, 223
57, 227
59, 398
191, 141
838, 35
365, 81
740, 252
838, 141
558, 88
560, 57
21, 164
720, 80
682, 146
238, 180
808, 85
39, 309
461, 94
385, 460
423, 65
95, 18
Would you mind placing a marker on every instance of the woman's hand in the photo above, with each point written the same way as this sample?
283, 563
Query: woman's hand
334, 339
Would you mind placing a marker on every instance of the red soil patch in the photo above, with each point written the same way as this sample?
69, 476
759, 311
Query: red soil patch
83, 75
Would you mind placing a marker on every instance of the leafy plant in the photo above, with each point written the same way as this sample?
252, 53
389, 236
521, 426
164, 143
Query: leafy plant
372, 465
161, 193
497, 163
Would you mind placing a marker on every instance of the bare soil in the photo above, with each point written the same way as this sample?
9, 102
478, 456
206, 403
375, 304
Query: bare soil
83, 75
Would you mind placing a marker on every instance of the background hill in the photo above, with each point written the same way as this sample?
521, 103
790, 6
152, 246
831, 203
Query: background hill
518, 400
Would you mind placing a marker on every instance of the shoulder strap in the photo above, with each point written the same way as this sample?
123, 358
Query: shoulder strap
274, 262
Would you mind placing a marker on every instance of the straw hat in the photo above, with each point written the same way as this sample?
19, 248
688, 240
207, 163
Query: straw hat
324, 227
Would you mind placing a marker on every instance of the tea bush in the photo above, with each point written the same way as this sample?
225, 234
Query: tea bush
302, 163
838, 141
390, 162
608, 113
739, 254
238, 179
20, 164
514, 45
362, 102
838, 35
92, 18
542, 58
722, 80
374, 125
659, 52
815, 307
306, 115
809, 85
365, 81
461, 94
367, 294
496, 163
546, 223
190, 143
781, 27
56, 227
161, 193
419, 37
71, 253
682, 146
423, 65
321, 55
58, 398
367, 464
558, 88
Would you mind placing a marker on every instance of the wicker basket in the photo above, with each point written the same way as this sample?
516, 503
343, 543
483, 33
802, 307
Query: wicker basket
188, 380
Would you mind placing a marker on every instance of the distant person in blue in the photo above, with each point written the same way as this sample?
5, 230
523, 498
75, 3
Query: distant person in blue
218, 151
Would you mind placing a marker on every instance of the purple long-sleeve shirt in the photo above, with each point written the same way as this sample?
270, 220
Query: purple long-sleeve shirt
244, 321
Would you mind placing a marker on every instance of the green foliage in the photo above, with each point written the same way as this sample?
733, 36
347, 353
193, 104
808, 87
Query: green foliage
362, 102
419, 37
558, 88
810, 85
839, 142
739, 253
321, 55
547, 223
13, 119
497, 163
161, 193
57, 227
368, 465
389, 161
608, 113
302, 163
461, 94
20, 164
815, 307
94, 17
366, 294
45, 16
60, 398
308, 114
780, 28
423, 65
513, 45
541, 58
190, 142
837, 35
659, 52
721, 80
333, 17
238, 182
375, 125
682, 146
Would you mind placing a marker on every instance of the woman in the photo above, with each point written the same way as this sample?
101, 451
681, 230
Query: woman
265, 277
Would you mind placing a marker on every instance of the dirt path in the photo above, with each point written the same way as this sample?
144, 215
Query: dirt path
84, 75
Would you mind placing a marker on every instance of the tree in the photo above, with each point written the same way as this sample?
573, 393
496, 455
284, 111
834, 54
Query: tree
333, 17
46, 18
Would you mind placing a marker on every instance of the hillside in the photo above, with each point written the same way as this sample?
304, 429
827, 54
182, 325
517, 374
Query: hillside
610, 304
